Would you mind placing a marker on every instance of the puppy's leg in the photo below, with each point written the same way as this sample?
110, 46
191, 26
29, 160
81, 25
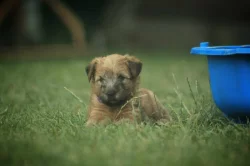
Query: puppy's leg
124, 121
91, 122
98, 118
152, 107
162, 111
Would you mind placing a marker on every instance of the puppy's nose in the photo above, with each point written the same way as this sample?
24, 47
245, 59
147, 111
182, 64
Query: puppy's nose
111, 92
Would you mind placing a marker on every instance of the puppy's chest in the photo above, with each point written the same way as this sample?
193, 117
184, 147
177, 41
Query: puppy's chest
131, 111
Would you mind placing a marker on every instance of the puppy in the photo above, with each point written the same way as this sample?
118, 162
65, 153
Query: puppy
115, 92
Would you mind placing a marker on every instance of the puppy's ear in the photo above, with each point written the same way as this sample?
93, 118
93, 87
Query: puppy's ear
134, 65
90, 69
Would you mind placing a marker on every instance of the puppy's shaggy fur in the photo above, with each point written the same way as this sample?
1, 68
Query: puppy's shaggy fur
115, 93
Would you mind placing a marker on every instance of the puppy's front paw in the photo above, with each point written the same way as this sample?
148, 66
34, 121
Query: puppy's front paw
90, 123
124, 121
103, 122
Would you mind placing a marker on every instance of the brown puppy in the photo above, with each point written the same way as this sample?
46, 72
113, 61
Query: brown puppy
115, 92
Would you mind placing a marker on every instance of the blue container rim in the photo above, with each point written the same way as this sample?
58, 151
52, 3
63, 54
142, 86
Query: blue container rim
205, 49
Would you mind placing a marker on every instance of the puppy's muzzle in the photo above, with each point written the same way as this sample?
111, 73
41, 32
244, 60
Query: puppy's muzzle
111, 92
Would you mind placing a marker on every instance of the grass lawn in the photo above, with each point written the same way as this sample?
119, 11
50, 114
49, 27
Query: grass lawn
41, 123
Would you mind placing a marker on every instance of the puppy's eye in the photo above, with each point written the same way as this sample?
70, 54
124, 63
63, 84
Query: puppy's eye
100, 79
120, 77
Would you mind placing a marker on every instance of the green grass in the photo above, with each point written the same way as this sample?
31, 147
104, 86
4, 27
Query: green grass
41, 123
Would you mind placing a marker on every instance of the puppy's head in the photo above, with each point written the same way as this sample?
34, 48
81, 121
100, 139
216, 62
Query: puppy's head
114, 78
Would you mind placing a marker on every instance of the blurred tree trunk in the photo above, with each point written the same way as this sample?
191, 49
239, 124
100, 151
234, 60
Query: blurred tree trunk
6, 8
118, 20
29, 23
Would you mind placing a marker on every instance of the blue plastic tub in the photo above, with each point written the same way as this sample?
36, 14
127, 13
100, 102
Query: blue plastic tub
229, 73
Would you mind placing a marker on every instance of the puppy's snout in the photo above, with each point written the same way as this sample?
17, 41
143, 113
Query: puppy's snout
111, 88
111, 92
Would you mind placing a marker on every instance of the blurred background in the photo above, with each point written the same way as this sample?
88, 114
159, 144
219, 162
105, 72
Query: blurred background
80, 27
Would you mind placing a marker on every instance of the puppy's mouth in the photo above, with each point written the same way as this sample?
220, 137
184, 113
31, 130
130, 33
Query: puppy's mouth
111, 102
